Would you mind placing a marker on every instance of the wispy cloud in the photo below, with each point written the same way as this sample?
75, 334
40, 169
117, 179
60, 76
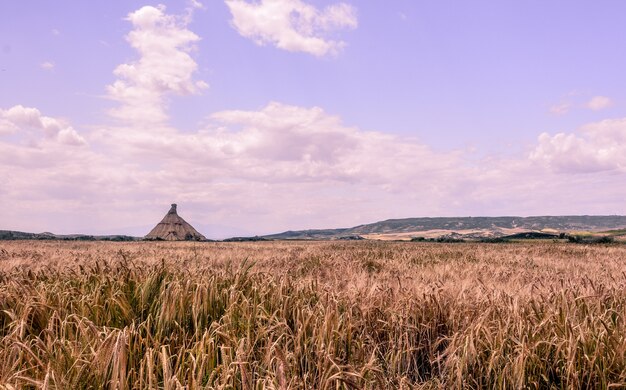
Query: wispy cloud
598, 103
47, 65
560, 109
292, 25
575, 100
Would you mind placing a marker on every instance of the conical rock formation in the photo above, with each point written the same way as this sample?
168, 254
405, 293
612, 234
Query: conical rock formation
174, 228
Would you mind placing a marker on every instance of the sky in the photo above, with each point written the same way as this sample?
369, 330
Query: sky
261, 116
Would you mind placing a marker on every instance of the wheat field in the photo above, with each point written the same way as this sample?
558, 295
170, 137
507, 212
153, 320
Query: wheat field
311, 315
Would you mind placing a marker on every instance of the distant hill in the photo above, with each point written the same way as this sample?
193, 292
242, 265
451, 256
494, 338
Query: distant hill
561, 223
313, 234
14, 235
468, 227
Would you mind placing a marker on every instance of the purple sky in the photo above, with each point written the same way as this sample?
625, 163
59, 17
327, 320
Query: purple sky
262, 116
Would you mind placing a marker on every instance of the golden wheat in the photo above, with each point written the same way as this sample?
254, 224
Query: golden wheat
311, 315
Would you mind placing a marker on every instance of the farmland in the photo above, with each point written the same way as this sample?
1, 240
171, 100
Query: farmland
304, 315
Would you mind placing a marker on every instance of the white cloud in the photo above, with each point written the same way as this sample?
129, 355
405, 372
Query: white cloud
165, 67
56, 32
47, 65
598, 103
7, 127
20, 118
292, 25
598, 147
285, 143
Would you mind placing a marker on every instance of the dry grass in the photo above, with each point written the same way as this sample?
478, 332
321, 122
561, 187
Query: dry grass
327, 315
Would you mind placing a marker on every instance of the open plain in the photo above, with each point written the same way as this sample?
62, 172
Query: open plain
311, 315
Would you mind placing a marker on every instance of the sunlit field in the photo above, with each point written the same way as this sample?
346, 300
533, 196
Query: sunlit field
312, 315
